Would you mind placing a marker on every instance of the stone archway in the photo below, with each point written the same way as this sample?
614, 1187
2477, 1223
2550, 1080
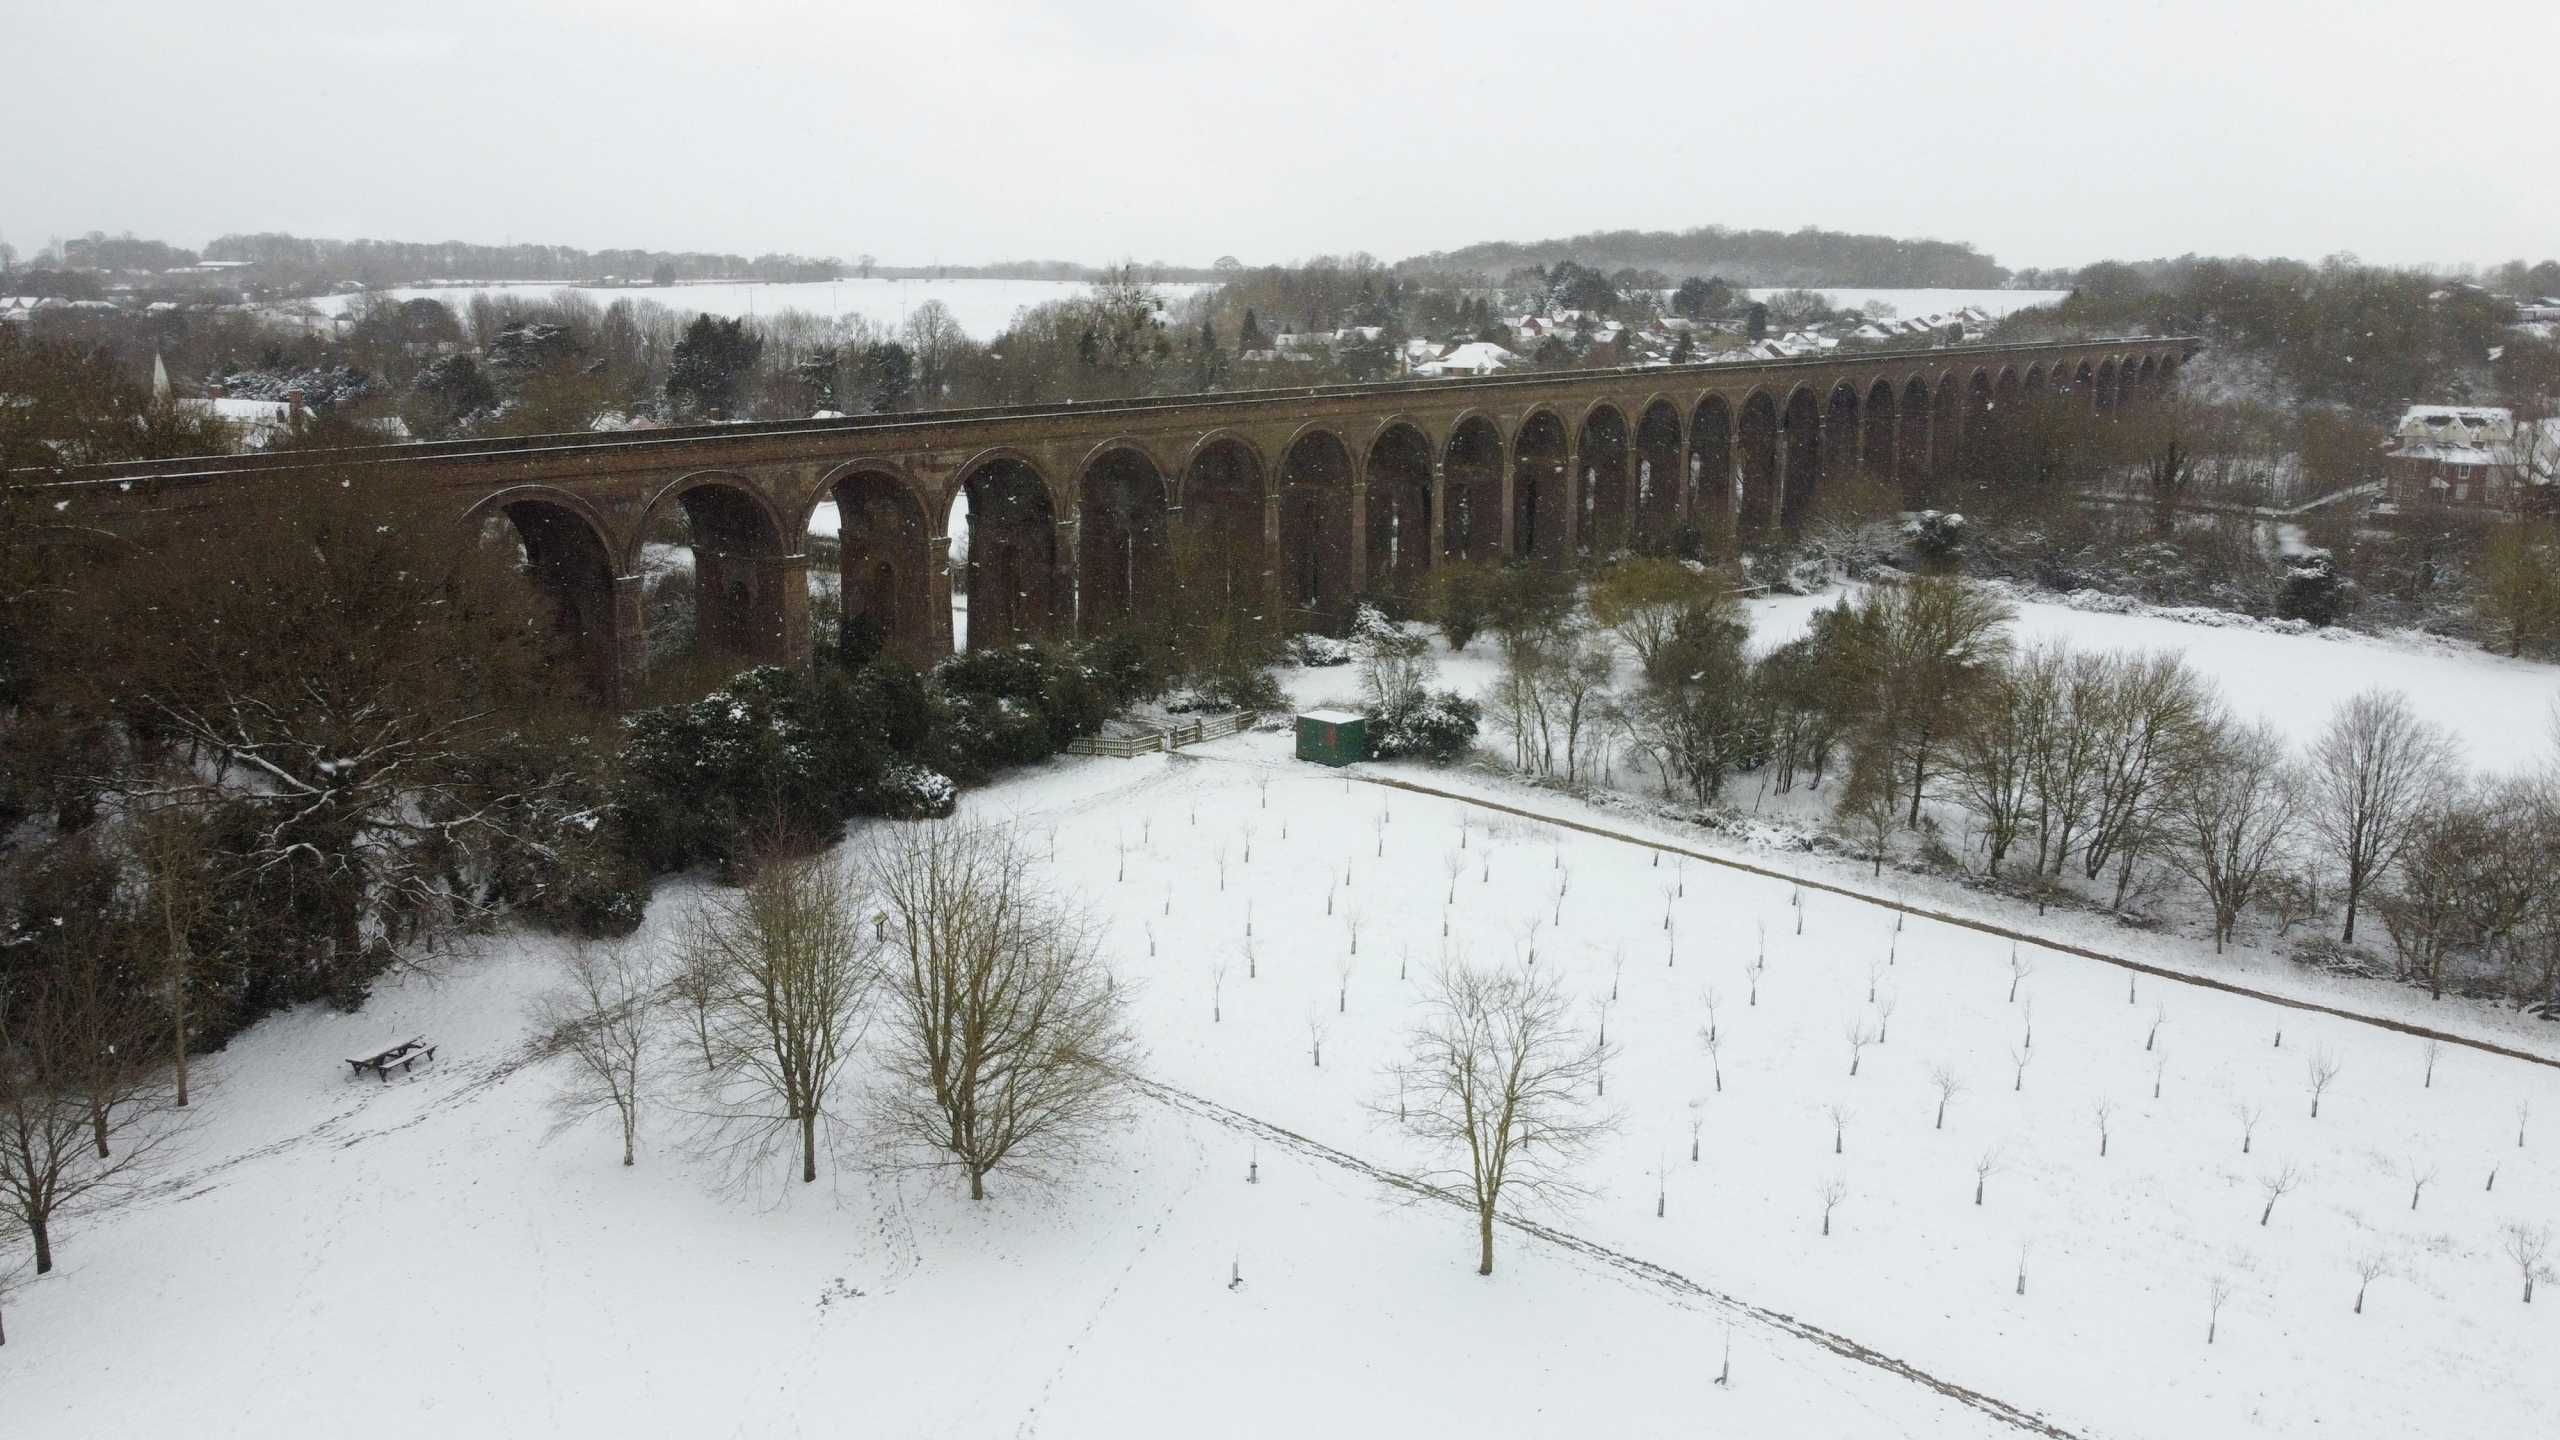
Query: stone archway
1759, 442
1911, 471
1715, 497
749, 598
1315, 530
1800, 429
1661, 490
1876, 442
1472, 530
1398, 520
1606, 522
1840, 433
563, 553
885, 565
1007, 551
1123, 529
1539, 517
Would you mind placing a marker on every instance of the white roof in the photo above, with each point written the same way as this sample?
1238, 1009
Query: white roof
1332, 717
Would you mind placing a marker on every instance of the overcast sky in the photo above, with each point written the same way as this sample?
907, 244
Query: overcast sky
973, 130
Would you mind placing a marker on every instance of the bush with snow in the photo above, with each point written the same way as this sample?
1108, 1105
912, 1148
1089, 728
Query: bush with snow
1313, 651
1435, 725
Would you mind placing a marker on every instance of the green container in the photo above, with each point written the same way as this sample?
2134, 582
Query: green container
1333, 737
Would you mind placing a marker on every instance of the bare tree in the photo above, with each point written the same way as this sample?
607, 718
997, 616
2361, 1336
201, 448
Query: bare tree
2104, 1112
2526, 1245
1498, 1073
2020, 968
2322, 1072
1010, 1043
1218, 990
2159, 1017
2217, 1295
2433, 1050
793, 962
2373, 772
2018, 1059
1944, 1079
1983, 1169
1884, 1015
2247, 1112
2369, 1268
1713, 1039
1840, 1115
2275, 1185
1831, 1192
55, 1159
597, 1019
1860, 1035
2420, 1174
2229, 818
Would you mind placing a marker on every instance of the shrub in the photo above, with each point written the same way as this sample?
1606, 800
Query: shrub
1458, 597
1438, 726
2313, 590
1935, 535
908, 791
1315, 651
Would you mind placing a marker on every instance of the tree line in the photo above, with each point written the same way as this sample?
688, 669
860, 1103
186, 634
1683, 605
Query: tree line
2065, 775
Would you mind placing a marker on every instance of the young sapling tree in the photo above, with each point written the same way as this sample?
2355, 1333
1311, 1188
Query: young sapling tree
2247, 1113
2217, 1295
2159, 1017
2322, 1072
1831, 1192
1984, 1167
1860, 1035
1840, 1115
2369, 1268
2434, 1050
2526, 1245
2275, 1185
2018, 1059
2104, 1112
2420, 1174
1944, 1079
1884, 1016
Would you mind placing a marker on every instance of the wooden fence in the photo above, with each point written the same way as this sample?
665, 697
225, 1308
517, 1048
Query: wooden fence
1124, 747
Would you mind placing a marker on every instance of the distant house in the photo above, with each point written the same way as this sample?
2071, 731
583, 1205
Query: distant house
1476, 357
2470, 455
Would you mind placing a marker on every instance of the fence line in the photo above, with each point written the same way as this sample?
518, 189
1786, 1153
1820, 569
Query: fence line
1127, 747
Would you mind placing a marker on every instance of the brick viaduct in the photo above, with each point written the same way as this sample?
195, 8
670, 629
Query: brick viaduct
1294, 499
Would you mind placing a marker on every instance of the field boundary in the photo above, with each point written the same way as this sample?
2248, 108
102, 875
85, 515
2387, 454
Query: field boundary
1985, 927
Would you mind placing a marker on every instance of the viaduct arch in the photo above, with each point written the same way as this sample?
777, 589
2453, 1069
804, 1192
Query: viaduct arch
1092, 519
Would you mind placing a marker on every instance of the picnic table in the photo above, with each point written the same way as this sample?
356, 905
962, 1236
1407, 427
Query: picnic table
403, 1055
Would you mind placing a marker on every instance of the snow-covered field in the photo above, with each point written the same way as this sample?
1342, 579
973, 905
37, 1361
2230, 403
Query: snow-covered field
1912, 304
2499, 708
324, 1253
982, 307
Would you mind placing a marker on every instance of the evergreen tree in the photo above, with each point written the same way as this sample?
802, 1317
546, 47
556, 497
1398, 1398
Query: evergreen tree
1250, 338
710, 364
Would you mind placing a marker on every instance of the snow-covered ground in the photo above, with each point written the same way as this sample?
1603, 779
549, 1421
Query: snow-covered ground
324, 1252
2499, 708
1912, 304
982, 307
